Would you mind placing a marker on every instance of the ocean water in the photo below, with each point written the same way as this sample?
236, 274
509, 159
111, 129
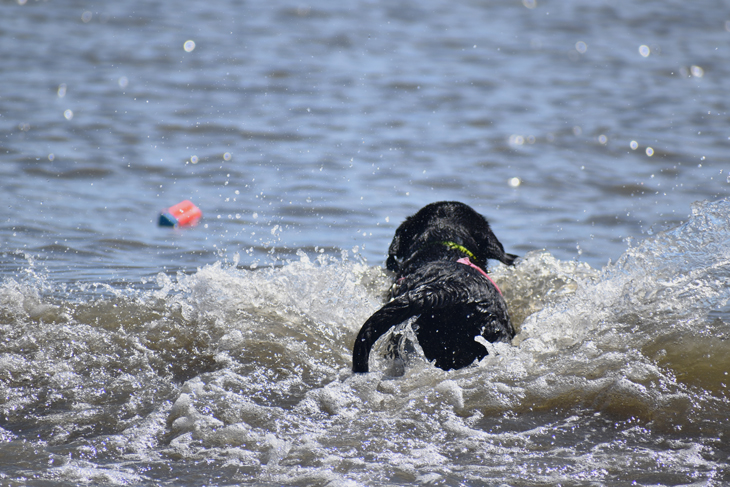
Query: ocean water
593, 135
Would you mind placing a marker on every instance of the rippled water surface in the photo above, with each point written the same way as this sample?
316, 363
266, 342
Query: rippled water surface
593, 135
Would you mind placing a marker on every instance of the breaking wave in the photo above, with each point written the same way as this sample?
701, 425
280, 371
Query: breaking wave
234, 375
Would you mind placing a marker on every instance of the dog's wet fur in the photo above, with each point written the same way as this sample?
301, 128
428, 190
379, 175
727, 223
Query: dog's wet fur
453, 303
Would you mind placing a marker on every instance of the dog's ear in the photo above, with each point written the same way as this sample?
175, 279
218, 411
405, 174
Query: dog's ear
392, 263
399, 247
491, 248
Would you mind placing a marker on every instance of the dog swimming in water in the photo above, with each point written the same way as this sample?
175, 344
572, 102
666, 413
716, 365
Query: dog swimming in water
439, 256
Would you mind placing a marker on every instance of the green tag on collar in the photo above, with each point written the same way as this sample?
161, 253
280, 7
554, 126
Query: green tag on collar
460, 248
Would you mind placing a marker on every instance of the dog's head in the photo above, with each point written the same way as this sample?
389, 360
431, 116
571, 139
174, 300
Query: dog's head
446, 221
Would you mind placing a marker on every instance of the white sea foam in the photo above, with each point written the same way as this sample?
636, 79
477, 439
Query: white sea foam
249, 370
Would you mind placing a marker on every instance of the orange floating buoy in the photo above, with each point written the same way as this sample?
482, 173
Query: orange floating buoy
184, 213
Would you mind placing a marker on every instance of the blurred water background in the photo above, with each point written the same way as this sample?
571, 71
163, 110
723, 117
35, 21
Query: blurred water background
593, 135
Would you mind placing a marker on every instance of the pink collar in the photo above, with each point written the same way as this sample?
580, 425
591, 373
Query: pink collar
466, 261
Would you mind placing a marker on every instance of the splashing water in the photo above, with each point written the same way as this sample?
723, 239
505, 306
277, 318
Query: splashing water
230, 375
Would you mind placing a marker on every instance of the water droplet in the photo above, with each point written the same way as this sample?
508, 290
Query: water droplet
68, 114
189, 46
514, 182
86, 17
634, 145
581, 47
644, 50
51, 156
649, 151
516, 139
61, 90
697, 71
602, 139
123, 82
227, 156
194, 159
529, 3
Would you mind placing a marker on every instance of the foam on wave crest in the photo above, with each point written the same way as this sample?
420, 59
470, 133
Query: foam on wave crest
249, 371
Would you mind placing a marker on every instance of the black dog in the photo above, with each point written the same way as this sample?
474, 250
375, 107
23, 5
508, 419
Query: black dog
440, 257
